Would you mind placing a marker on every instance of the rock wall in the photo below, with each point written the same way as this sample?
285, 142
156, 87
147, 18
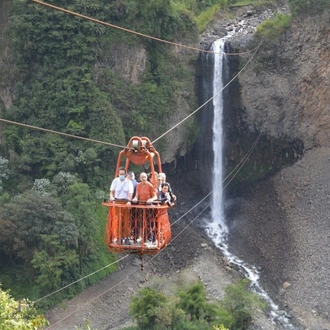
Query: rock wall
280, 224
285, 92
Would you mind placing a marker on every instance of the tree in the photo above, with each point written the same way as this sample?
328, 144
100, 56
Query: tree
29, 216
144, 307
219, 327
82, 206
193, 301
52, 262
239, 303
19, 315
4, 170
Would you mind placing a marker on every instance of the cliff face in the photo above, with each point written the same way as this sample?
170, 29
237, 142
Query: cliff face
135, 68
286, 89
282, 96
281, 223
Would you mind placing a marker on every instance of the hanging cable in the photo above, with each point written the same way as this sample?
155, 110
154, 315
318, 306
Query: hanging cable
238, 167
214, 95
83, 278
128, 30
60, 133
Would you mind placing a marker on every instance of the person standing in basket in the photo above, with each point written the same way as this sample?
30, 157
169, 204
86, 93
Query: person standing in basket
121, 187
146, 193
121, 190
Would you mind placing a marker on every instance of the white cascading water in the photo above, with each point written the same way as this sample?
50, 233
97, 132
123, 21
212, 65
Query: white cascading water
217, 229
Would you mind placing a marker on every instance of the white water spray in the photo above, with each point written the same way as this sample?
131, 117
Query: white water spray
217, 229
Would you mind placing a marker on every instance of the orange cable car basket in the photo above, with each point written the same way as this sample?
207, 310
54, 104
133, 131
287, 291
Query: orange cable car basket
140, 228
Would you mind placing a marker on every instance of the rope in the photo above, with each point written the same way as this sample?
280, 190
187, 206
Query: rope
50, 294
187, 117
239, 166
90, 301
60, 133
128, 30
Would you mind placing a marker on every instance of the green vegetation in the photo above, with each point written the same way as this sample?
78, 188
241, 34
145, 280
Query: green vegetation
239, 3
18, 315
238, 305
190, 310
273, 28
303, 7
54, 236
63, 74
206, 16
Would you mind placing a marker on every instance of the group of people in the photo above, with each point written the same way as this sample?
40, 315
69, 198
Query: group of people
125, 187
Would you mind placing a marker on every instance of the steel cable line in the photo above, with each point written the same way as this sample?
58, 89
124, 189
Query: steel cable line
91, 300
238, 168
214, 95
83, 278
60, 133
146, 36
128, 30
110, 144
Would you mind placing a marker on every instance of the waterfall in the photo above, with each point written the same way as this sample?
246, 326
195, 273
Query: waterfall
217, 203
216, 227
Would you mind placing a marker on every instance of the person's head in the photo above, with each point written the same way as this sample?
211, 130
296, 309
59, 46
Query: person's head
150, 176
143, 177
161, 177
164, 187
130, 175
121, 173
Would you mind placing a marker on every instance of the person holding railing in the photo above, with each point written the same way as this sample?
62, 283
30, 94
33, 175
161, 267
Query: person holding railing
146, 193
162, 179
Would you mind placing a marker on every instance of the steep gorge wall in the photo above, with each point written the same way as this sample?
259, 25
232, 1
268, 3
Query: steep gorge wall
285, 92
281, 223
282, 95
130, 63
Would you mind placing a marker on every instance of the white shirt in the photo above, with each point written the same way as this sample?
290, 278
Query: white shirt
121, 188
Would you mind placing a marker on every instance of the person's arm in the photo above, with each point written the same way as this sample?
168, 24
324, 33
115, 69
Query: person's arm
130, 191
129, 198
112, 190
136, 198
154, 197
173, 197
112, 193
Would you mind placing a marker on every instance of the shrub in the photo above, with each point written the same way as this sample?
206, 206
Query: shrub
273, 28
239, 303
144, 307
